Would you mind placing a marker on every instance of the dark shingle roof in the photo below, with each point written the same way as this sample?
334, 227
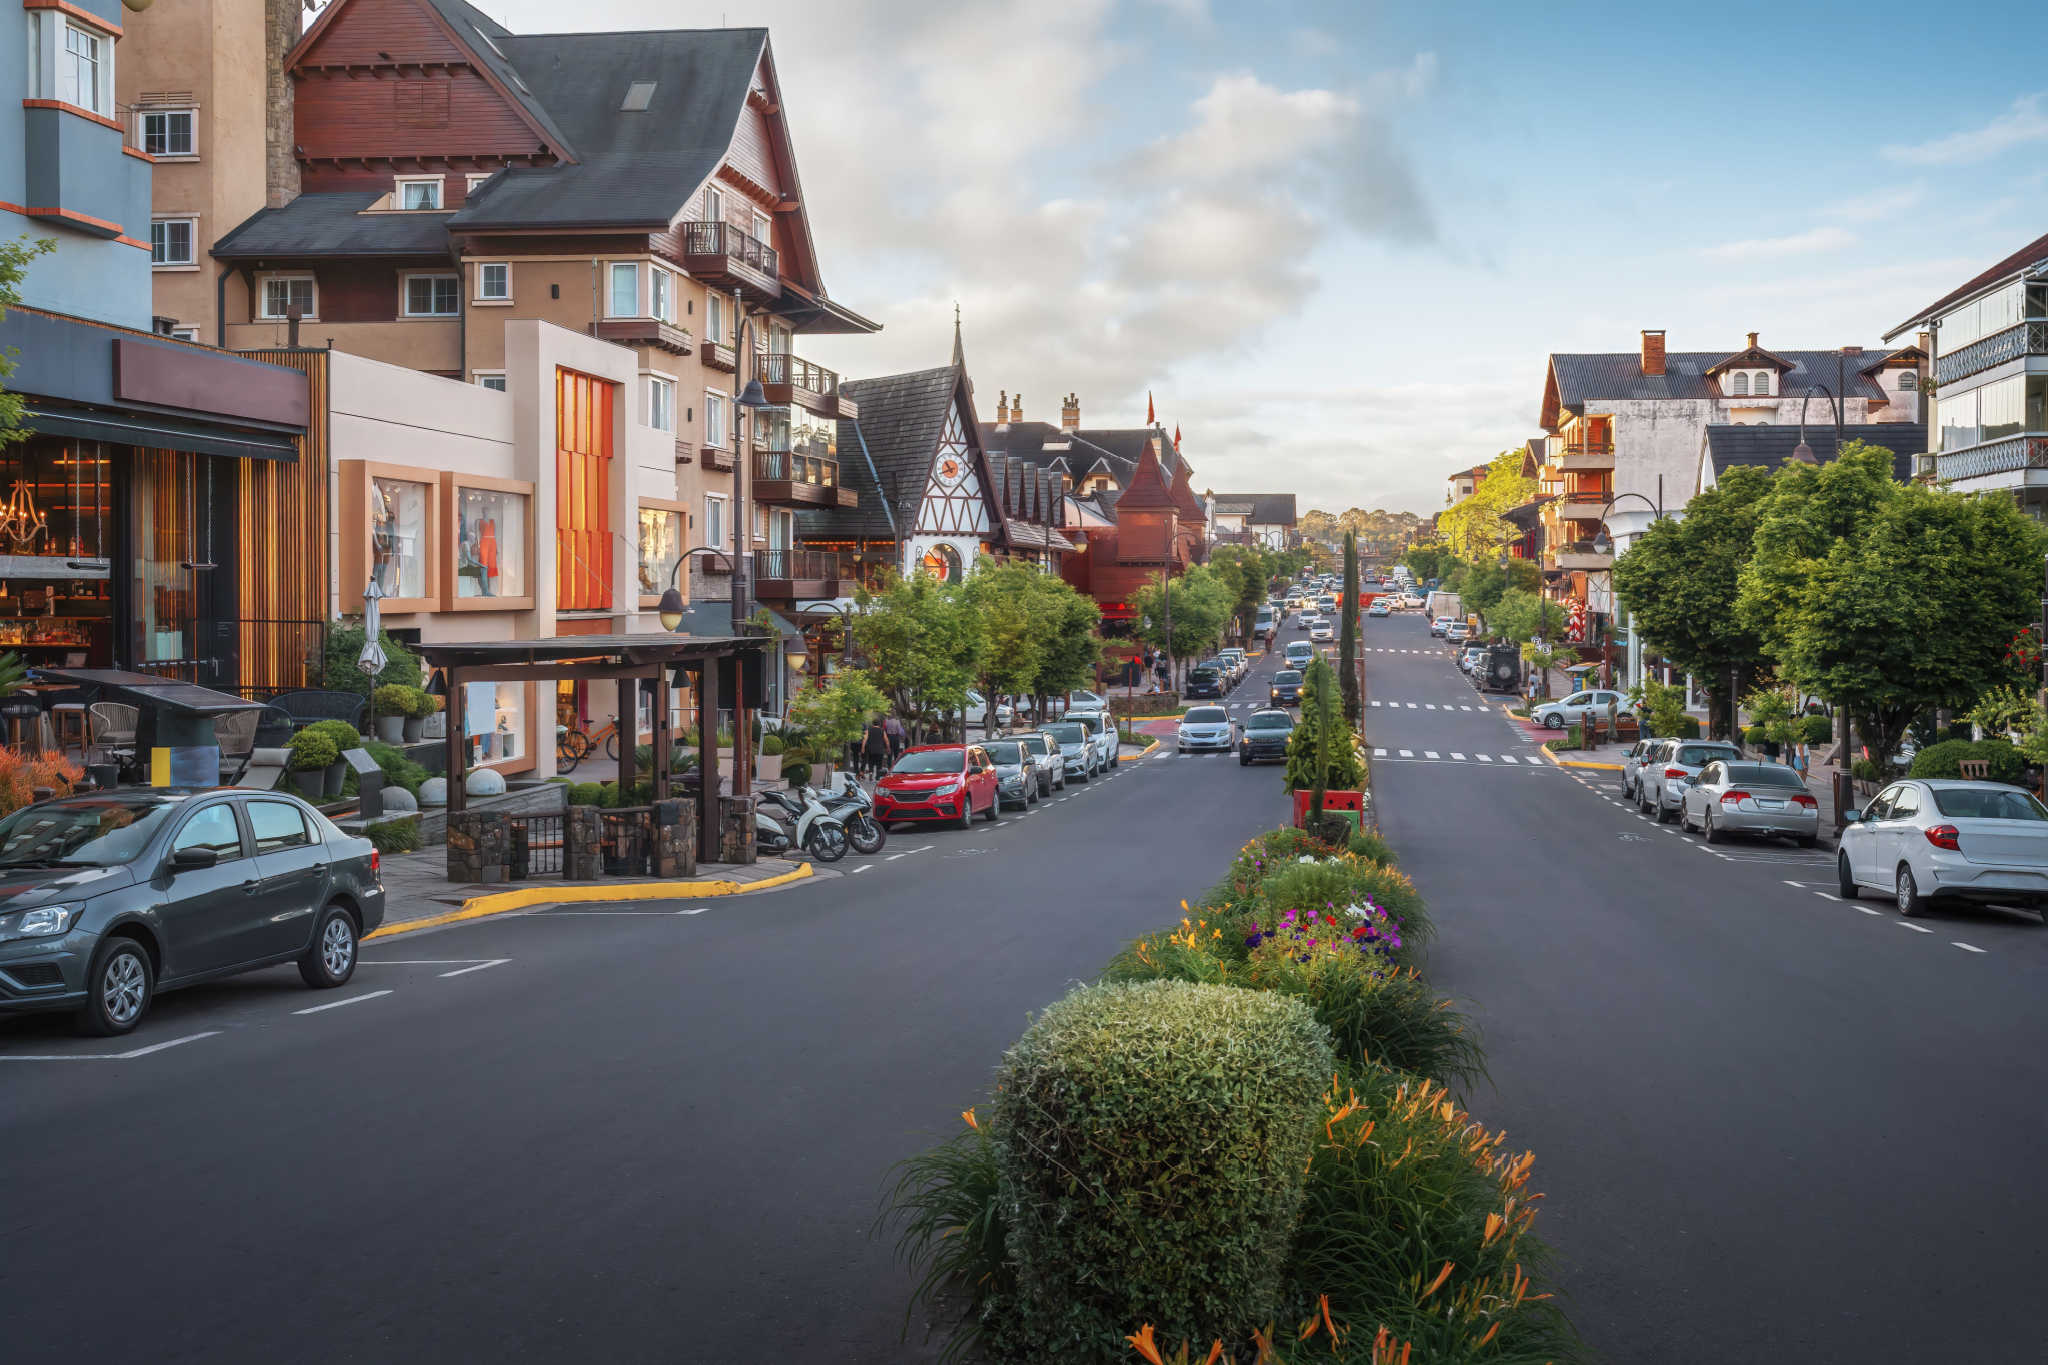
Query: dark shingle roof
487, 38
335, 225
1266, 509
631, 167
2032, 252
1619, 375
1729, 444
901, 417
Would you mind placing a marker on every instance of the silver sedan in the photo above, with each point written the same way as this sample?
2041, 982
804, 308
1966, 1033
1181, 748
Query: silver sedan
1924, 840
1767, 799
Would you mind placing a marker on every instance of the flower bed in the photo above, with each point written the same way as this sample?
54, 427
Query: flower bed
1413, 1236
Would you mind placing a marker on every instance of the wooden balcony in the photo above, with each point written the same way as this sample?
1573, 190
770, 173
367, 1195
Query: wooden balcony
783, 479
718, 355
790, 575
1586, 506
791, 379
685, 451
716, 458
654, 332
719, 253
1581, 555
1586, 455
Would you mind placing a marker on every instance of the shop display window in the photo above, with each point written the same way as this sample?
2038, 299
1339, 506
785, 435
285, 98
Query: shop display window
494, 721
661, 546
490, 543
398, 536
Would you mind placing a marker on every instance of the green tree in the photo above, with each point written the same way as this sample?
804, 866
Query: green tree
1070, 647
15, 257
1427, 561
1253, 574
924, 641
1522, 616
1681, 582
1322, 753
1347, 639
833, 714
1475, 528
1184, 616
1013, 626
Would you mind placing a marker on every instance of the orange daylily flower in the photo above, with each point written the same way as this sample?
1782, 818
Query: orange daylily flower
1142, 1343
1437, 1283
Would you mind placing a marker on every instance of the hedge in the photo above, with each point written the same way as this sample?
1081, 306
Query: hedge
1946, 759
1151, 1146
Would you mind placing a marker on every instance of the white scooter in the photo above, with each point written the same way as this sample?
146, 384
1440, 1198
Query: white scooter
798, 820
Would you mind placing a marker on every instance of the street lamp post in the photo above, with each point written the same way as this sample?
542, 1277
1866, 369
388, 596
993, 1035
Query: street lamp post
1603, 544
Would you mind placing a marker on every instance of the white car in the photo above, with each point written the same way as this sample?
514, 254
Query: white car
1379, 607
1205, 729
1102, 731
1440, 625
1411, 601
1087, 701
1661, 781
1560, 715
977, 711
1927, 840
1321, 630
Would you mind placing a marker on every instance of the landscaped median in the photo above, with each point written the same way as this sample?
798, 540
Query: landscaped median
558, 893
1241, 1144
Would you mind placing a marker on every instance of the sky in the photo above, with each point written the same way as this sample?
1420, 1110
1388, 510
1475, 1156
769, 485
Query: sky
1336, 241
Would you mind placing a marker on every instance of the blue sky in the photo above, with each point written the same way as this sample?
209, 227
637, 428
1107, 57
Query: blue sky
1336, 241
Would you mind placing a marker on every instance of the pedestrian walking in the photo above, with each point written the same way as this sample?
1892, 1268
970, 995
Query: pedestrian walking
874, 748
899, 738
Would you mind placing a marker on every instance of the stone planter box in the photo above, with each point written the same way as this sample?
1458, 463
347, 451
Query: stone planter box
337, 773
767, 767
414, 729
391, 729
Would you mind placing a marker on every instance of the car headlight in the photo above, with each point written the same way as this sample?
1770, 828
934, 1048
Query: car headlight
50, 919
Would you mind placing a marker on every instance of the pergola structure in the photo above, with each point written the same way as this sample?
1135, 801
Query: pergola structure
626, 660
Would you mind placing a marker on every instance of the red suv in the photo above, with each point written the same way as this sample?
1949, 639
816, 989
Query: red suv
939, 782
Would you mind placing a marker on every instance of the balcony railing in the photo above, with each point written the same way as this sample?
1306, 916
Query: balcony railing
2011, 455
1586, 455
2023, 339
783, 465
813, 567
782, 368
720, 251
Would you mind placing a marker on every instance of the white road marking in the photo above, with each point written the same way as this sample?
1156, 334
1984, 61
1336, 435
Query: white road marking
1429, 753
109, 1056
702, 908
1468, 708
416, 961
1793, 883
1966, 947
1407, 753
1431, 706
1379, 753
1411, 706
1507, 758
926, 849
1455, 754
1916, 928
1484, 758
1375, 703
1866, 910
337, 1004
494, 962
864, 867
894, 856
1828, 896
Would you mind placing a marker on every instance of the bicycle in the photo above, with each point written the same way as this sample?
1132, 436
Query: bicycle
572, 746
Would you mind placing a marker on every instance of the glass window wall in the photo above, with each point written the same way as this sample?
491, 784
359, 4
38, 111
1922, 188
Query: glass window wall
398, 536
494, 720
661, 547
490, 543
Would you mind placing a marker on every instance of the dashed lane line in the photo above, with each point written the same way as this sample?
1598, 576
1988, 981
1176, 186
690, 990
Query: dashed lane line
481, 966
1966, 947
108, 1056
1916, 928
337, 1004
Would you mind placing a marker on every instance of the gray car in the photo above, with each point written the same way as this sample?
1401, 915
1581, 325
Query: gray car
1108, 745
1766, 799
1661, 783
1077, 747
1016, 772
1045, 755
107, 899
1639, 754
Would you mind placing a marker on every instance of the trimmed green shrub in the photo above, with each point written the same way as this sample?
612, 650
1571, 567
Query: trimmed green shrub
395, 836
1754, 736
608, 795
399, 771
1946, 758
1151, 1142
345, 644
311, 750
1688, 728
1816, 730
339, 733
771, 745
796, 772
1866, 770
394, 699
585, 793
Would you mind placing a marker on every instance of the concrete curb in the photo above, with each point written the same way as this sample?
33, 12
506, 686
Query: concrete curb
1551, 754
504, 902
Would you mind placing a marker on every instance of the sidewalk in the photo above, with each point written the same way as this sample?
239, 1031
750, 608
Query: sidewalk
418, 894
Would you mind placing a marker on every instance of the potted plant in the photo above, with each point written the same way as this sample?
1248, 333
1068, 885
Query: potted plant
1323, 769
419, 705
768, 759
312, 755
392, 704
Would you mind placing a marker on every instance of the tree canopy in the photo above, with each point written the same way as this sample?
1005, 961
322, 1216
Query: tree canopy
15, 257
1474, 528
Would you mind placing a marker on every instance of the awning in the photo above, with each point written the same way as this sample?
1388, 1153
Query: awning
162, 433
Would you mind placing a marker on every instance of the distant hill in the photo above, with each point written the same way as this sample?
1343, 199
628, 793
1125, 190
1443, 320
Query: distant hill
1379, 532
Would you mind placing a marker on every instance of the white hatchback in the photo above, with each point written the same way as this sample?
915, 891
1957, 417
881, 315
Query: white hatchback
1926, 840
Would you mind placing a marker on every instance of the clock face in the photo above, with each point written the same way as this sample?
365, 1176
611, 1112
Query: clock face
949, 470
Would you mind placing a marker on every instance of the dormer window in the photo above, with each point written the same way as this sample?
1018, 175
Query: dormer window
423, 192
1763, 383
1907, 380
1741, 384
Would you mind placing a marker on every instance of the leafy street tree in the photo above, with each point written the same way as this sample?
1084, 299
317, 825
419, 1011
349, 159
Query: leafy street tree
1004, 596
1322, 752
1428, 561
1680, 582
1070, 646
925, 642
1890, 599
1249, 565
1347, 640
1474, 528
1200, 605
1522, 616
832, 714
15, 257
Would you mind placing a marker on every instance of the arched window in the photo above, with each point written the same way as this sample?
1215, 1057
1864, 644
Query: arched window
1741, 383
1908, 380
943, 563
1763, 382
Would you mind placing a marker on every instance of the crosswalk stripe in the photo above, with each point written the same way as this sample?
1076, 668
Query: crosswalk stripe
1407, 753
1375, 703
1429, 753
1411, 706
1429, 705
1455, 754
1483, 758
1507, 758
1379, 753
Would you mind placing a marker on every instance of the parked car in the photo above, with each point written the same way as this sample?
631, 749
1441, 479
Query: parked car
1379, 607
977, 711
1925, 841
1660, 785
1321, 630
1286, 688
1750, 798
110, 899
1457, 632
1077, 748
1560, 715
1264, 737
1440, 625
1411, 601
1045, 756
1205, 729
1102, 730
953, 782
1471, 657
1016, 772
1639, 753
1087, 701
1299, 653
1203, 682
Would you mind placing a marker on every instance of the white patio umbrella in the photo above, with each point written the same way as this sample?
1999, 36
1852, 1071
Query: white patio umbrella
372, 659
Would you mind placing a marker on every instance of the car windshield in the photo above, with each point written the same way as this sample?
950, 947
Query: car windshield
1201, 675
1092, 724
1984, 803
932, 761
1287, 675
1206, 715
1068, 732
1763, 775
1005, 751
81, 833
1700, 755
1269, 720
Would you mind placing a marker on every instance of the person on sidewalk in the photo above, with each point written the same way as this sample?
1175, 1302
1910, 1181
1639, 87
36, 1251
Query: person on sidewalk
899, 738
874, 748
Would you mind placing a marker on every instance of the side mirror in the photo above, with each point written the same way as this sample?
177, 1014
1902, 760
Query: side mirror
1852, 815
191, 859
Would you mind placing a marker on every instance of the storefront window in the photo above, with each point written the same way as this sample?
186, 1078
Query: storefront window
398, 536
490, 543
494, 720
661, 546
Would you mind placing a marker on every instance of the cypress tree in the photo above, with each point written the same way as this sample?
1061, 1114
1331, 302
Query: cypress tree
1347, 641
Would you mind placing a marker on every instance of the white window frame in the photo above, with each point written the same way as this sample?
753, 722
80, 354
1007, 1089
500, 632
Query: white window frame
166, 112
714, 204
714, 318
1739, 385
398, 188
475, 178
661, 293
761, 226
1761, 384
405, 280
183, 333
101, 96
718, 517
1909, 381
482, 378
482, 297
263, 283
611, 289
663, 385
191, 259
717, 432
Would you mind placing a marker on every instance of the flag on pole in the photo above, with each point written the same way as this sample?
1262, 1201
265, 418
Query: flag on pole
1176, 438
1151, 417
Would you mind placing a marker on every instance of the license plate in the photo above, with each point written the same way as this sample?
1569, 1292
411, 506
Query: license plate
1767, 804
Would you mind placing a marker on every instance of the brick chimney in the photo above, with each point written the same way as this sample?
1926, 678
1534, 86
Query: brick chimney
1752, 341
1653, 351
1070, 413
1002, 407
1017, 407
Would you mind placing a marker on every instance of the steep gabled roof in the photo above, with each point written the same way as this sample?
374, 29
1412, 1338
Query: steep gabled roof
902, 417
1148, 489
335, 225
1262, 509
1750, 357
1574, 380
1184, 499
2033, 253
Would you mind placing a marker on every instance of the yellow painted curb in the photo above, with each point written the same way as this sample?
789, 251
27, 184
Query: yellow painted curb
503, 902
1580, 763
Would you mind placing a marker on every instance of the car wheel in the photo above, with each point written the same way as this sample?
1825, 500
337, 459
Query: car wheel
1663, 812
1553, 721
1844, 883
1684, 818
331, 961
1708, 828
1244, 760
117, 989
1911, 903
994, 811
967, 812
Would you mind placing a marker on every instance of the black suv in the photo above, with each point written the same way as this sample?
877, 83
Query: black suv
1286, 689
1203, 682
1264, 738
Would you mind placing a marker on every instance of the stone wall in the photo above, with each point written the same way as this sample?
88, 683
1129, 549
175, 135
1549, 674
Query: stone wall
736, 822
478, 846
675, 838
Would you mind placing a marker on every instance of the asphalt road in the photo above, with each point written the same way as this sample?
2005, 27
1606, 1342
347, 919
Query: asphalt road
658, 1133
1772, 1126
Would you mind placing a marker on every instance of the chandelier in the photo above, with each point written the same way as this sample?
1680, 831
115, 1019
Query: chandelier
21, 521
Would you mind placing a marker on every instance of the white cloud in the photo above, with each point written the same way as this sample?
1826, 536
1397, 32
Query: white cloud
1243, 124
1877, 205
1195, 12
1798, 244
2026, 121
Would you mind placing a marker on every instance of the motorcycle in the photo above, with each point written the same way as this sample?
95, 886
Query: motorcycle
798, 820
856, 809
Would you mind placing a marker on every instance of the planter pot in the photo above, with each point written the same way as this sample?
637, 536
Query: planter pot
391, 729
415, 728
767, 767
725, 763
435, 726
337, 773
310, 782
